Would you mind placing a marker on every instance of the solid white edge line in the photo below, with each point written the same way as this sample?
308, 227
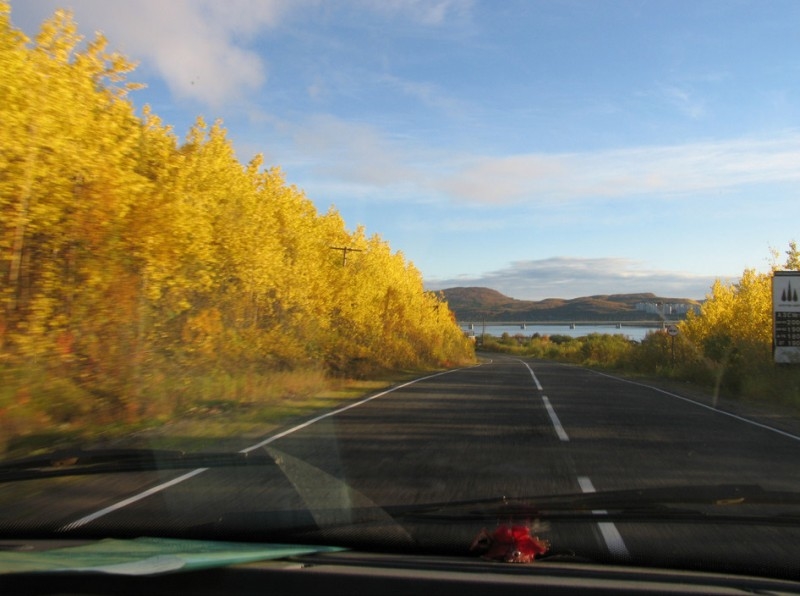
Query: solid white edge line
125, 502
702, 405
151, 491
562, 434
269, 440
613, 539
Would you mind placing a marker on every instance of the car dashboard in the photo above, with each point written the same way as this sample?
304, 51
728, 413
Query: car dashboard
353, 572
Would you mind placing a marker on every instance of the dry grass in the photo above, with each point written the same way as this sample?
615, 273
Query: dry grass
182, 412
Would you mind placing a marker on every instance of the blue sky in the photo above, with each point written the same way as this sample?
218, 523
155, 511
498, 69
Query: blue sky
556, 148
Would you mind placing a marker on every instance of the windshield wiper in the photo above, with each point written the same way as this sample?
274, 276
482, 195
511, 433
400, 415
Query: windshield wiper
738, 504
76, 462
718, 502
694, 502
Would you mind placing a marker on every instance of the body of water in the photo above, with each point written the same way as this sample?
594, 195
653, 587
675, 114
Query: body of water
633, 332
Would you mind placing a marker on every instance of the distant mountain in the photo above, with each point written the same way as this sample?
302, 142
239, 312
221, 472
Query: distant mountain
476, 304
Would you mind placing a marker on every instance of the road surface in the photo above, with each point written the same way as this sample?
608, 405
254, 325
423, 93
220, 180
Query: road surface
507, 428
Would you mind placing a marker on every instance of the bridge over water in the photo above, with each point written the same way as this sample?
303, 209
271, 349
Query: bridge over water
569, 323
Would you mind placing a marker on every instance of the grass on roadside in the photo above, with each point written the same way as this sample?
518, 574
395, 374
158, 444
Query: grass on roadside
39, 414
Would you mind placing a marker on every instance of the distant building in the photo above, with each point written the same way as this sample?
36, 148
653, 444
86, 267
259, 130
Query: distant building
667, 309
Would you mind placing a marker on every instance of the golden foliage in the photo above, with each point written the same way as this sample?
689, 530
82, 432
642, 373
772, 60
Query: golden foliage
124, 253
734, 325
741, 311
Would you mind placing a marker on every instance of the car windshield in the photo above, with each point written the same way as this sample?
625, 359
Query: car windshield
509, 282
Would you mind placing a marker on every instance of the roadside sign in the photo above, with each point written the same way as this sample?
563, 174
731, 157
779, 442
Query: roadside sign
786, 316
673, 332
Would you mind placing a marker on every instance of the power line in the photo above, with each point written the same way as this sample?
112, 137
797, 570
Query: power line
345, 250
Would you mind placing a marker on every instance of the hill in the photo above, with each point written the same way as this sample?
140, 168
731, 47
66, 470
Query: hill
474, 304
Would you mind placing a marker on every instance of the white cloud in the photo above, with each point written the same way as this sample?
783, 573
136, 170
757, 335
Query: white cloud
201, 48
427, 94
684, 100
395, 167
573, 277
426, 12
354, 153
677, 169
197, 46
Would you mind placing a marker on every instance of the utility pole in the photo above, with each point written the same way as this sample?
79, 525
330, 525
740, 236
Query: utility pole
345, 250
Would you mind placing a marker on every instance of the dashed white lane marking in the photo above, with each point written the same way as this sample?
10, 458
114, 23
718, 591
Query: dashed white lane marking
535, 380
613, 539
611, 536
562, 434
158, 488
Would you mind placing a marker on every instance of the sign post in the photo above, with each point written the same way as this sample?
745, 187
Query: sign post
673, 332
786, 317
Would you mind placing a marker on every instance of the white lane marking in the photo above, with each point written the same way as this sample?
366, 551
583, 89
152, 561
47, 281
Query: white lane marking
535, 380
702, 405
269, 440
614, 543
151, 491
125, 502
562, 434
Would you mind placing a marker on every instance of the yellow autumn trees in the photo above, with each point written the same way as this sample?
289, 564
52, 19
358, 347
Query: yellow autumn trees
733, 330
68, 184
740, 311
129, 259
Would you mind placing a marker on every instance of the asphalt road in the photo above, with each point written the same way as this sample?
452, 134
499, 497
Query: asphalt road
508, 428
